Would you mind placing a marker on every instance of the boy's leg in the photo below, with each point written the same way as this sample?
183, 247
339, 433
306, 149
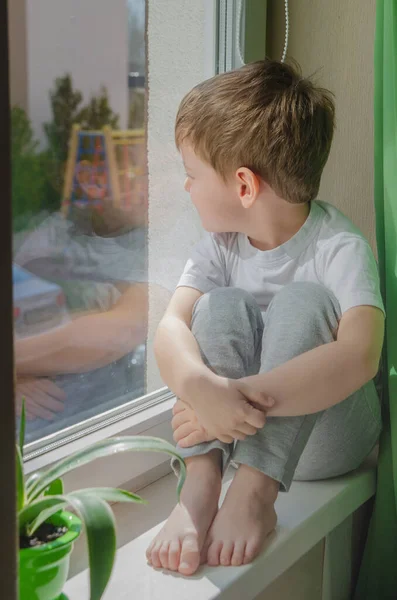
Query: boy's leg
228, 326
178, 545
301, 317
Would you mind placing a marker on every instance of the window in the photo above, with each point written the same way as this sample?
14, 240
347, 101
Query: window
101, 224
79, 208
236, 17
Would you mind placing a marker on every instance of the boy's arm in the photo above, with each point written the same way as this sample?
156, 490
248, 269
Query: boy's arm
323, 377
224, 409
176, 350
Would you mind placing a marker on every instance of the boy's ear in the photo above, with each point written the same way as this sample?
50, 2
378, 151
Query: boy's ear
248, 185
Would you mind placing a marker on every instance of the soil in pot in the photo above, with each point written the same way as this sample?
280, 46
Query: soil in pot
43, 535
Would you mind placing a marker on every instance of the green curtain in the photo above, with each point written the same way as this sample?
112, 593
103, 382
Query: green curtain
378, 575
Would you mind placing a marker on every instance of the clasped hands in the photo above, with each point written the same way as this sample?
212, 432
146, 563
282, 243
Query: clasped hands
213, 407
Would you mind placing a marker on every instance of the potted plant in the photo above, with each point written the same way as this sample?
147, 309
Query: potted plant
47, 532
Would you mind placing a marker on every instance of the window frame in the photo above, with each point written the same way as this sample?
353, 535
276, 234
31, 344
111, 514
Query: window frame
243, 15
231, 16
9, 549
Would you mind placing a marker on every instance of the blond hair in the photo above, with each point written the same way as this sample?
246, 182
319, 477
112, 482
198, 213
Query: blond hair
266, 117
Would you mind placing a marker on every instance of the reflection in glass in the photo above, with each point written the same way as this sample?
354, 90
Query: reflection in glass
80, 224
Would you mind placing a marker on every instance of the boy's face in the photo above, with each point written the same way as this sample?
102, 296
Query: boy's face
216, 202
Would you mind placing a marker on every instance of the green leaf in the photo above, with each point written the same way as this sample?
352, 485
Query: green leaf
37, 485
111, 495
22, 427
100, 529
31, 480
33, 515
55, 488
20, 480
37, 513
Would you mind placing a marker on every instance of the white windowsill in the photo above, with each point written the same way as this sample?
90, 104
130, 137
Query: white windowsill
117, 469
307, 514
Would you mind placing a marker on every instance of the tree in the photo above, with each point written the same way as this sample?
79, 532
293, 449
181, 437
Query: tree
28, 174
98, 113
65, 103
66, 111
136, 118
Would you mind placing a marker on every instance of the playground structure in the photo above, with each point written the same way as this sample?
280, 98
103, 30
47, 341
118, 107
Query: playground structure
104, 166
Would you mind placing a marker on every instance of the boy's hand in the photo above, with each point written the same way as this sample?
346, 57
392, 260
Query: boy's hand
224, 408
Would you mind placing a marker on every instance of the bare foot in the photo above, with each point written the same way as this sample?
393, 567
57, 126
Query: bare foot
246, 518
178, 545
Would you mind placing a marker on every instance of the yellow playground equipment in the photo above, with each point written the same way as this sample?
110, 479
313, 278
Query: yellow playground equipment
105, 166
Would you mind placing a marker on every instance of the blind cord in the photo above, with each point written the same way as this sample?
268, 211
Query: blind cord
239, 23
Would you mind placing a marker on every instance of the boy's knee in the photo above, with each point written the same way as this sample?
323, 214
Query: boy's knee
300, 317
228, 304
226, 298
306, 298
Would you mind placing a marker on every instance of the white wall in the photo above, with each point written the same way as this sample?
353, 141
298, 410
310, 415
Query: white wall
335, 40
174, 68
87, 38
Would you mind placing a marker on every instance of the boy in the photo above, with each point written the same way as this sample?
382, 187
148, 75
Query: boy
274, 334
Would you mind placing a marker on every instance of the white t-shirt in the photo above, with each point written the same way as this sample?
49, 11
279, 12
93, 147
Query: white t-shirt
328, 249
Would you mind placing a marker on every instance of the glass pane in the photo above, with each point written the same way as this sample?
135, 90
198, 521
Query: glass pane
79, 195
242, 32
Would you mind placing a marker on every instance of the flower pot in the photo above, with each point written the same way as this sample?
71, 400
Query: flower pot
43, 570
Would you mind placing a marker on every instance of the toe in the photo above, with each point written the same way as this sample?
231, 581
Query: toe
174, 555
163, 554
203, 556
213, 554
149, 553
252, 550
150, 549
190, 555
225, 557
238, 554
204, 551
155, 557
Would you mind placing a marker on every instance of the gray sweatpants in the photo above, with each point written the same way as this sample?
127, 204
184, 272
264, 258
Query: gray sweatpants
235, 342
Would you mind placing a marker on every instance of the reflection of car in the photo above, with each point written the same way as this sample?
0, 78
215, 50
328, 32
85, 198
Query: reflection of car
38, 304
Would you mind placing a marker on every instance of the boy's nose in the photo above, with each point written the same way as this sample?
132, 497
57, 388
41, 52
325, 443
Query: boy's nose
187, 185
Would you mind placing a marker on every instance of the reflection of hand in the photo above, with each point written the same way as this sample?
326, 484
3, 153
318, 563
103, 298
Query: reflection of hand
42, 398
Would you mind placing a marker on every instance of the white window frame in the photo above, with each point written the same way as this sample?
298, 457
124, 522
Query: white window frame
148, 415
231, 19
